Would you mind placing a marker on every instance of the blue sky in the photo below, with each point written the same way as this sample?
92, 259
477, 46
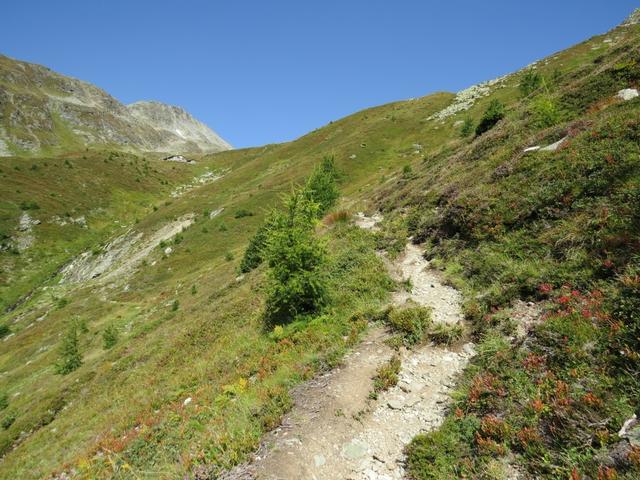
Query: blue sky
267, 71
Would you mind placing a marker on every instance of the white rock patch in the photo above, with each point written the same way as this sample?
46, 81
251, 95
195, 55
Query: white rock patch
465, 99
627, 94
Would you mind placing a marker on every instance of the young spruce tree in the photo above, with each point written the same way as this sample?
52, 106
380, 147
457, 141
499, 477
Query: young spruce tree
320, 188
70, 358
321, 185
297, 284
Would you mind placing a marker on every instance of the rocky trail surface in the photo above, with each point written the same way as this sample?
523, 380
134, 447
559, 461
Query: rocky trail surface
334, 430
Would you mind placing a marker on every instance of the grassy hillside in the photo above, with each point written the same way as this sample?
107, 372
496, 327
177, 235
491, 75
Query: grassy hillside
557, 227
186, 326
194, 378
75, 202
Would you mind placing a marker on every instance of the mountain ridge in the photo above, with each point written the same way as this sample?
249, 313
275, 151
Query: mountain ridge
43, 111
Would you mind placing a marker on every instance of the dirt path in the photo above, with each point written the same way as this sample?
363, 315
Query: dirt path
334, 430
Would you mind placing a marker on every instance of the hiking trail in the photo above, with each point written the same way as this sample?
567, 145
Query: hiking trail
334, 430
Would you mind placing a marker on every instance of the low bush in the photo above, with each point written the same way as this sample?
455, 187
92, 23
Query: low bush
545, 112
387, 375
341, 216
241, 213
445, 334
4, 330
392, 237
7, 421
555, 402
468, 127
109, 337
530, 82
492, 115
411, 322
29, 205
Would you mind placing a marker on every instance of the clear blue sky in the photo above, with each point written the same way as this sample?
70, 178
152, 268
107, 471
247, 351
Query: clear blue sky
266, 71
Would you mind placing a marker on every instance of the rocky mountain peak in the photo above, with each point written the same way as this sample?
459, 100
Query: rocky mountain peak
177, 121
44, 110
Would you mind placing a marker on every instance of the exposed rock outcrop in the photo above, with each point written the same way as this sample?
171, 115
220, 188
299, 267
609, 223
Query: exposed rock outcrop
632, 19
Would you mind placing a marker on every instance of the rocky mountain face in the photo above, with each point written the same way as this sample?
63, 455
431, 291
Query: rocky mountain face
632, 19
41, 110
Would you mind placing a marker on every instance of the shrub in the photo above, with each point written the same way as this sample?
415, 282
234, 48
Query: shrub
387, 375
531, 81
467, 127
392, 237
4, 401
69, 357
336, 217
8, 421
321, 186
297, 284
62, 302
29, 205
175, 305
410, 322
109, 337
4, 330
241, 213
625, 345
492, 115
545, 112
438, 454
445, 334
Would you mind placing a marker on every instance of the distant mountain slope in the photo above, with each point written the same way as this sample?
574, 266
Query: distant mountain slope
41, 110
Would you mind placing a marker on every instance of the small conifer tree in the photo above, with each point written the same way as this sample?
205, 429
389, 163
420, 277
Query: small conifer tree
492, 115
321, 186
295, 256
69, 358
109, 337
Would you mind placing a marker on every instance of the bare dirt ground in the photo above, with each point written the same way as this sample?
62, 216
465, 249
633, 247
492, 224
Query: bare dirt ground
335, 431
